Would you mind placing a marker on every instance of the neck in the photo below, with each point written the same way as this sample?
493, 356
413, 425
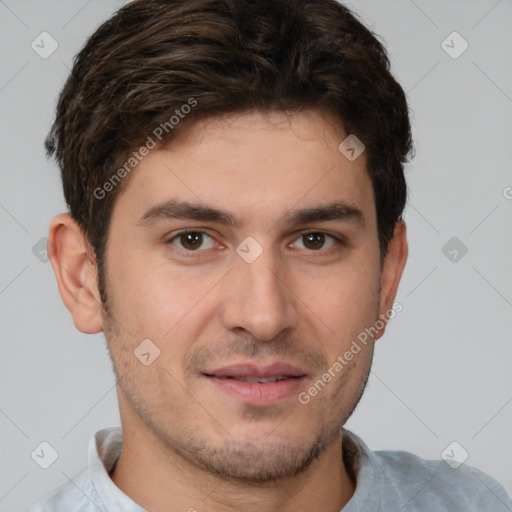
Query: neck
161, 480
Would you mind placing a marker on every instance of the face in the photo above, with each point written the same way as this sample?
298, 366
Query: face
225, 252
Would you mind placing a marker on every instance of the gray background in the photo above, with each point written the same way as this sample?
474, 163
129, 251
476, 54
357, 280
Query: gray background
441, 372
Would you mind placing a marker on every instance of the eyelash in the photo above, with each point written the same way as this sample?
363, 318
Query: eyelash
340, 242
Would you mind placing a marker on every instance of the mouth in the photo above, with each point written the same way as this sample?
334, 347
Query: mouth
259, 380
257, 385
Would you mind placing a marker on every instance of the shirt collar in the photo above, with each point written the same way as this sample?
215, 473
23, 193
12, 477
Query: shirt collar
103, 452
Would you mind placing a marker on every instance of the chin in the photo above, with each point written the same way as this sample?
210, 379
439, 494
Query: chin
260, 462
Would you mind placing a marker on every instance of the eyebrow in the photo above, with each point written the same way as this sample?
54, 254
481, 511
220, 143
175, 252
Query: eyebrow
174, 209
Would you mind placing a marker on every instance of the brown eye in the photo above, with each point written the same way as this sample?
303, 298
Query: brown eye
192, 240
314, 240
317, 240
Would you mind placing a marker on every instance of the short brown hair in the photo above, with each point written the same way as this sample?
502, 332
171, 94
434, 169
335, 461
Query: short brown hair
152, 57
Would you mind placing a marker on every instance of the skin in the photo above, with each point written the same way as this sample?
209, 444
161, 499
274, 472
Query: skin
187, 443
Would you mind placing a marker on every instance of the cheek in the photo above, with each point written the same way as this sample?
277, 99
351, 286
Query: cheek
149, 298
346, 299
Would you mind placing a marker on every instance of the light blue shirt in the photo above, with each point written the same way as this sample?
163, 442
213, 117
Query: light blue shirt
386, 482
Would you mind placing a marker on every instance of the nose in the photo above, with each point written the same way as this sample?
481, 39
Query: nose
259, 298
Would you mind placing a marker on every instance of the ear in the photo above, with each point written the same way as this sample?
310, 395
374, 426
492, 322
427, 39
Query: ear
74, 266
391, 273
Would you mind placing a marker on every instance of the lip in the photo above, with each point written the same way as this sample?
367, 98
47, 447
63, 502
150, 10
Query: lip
254, 393
258, 371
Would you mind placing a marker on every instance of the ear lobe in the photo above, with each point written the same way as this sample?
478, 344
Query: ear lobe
392, 270
76, 273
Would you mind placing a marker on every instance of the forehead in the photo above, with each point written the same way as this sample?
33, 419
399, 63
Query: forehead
254, 165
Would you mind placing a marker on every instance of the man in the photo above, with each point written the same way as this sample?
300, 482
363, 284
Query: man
234, 176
